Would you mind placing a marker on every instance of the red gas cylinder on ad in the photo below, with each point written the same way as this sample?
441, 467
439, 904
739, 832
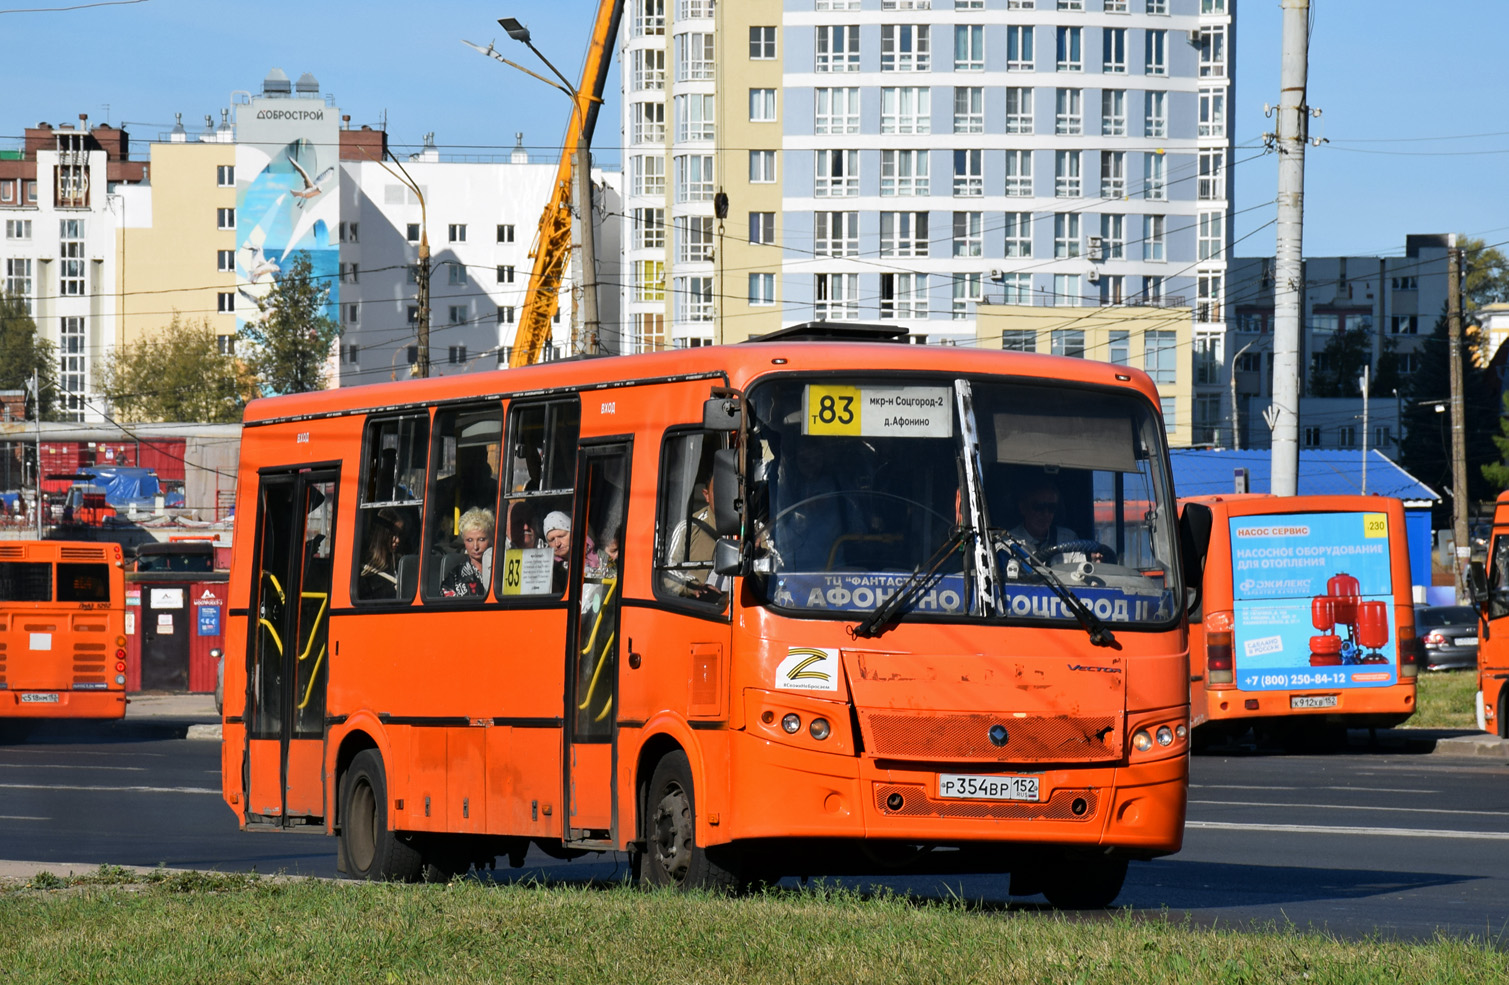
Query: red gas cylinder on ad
1325, 651
1344, 589
1372, 626
1323, 612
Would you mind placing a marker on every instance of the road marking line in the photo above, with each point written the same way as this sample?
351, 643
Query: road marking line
65, 786
1348, 807
22, 817
1257, 786
1322, 829
72, 766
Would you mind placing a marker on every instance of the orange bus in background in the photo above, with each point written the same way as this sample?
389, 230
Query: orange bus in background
1490, 596
740, 611
62, 630
1307, 622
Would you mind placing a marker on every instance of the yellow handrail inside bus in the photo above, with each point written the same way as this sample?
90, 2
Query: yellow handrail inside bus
274, 579
313, 674
324, 598
591, 646
273, 630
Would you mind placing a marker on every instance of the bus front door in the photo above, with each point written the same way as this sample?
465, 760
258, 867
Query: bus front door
288, 662
592, 659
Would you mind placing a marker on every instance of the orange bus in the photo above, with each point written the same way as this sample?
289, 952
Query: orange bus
1490, 596
1306, 625
739, 611
62, 630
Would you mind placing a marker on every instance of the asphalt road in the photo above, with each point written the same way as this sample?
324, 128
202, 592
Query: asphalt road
1394, 840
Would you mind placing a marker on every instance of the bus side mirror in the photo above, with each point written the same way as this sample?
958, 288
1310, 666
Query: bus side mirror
727, 496
722, 413
727, 558
1195, 521
1477, 584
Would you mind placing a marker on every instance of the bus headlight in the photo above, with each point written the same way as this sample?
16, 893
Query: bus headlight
819, 728
792, 723
1165, 735
1141, 740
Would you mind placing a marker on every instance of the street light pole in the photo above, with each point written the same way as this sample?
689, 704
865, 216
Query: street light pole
1459, 504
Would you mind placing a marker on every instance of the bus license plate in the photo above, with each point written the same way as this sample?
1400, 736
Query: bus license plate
1313, 701
37, 697
970, 787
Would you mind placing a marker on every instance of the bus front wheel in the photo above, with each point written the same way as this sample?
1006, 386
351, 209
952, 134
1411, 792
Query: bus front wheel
1085, 883
372, 850
671, 856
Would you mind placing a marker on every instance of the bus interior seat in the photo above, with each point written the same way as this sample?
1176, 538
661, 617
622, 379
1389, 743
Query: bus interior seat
408, 576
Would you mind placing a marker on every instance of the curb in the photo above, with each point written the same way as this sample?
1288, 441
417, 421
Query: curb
204, 732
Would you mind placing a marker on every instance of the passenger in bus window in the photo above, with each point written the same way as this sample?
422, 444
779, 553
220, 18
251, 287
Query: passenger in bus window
611, 546
379, 574
557, 527
471, 578
472, 485
811, 509
690, 550
523, 529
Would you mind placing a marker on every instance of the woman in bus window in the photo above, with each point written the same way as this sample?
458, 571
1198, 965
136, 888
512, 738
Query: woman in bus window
379, 574
474, 574
557, 527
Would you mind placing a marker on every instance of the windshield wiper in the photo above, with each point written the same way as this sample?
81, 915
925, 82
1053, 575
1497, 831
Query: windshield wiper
1100, 634
888, 612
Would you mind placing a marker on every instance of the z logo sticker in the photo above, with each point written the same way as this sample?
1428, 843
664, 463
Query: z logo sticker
808, 669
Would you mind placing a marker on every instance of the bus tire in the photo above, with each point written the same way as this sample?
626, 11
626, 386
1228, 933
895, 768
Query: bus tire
1501, 722
671, 856
1085, 883
372, 850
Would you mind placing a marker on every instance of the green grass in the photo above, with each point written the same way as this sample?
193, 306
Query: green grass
1444, 699
196, 928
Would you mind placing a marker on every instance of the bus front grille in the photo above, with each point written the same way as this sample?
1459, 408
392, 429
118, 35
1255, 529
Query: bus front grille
1061, 805
966, 738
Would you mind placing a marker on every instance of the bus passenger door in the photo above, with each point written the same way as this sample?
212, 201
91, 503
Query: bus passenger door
288, 659
592, 660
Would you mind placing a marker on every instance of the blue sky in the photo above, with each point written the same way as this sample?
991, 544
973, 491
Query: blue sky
1413, 96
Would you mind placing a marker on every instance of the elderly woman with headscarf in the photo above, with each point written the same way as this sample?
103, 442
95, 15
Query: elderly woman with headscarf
557, 530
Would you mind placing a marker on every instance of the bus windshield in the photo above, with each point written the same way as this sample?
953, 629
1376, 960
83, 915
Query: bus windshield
856, 485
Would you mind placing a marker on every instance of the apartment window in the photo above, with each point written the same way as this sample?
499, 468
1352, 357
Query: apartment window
1071, 4
905, 48
969, 4
1157, 6
456, 274
225, 302
507, 315
1168, 408
837, 48
21, 229
29, 188
647, 69
762, 43
1207, 359
649, 280
1152, 239
1069, 116
1212, 6
505, 274
456, 354
456, 232
903, 234
1154, 188
1118, 349
72, 364
968, 236
835, 234
1159, 352
694, 57
837, 174
762, 166
225, 175
225, 218
1213, 112
412, 272
1112, 289
225, 261
1066, 234
350, 273
762, 228
903, 295
1397, 283
1019, 48
906, 109
966, 293
1346, 436
1116, 6
903, 172
648, 229
835, 297
1152, 289
969, 173
1019, 339
1018, 109
1018, 234
1017, 289
1212, 183
1066, 176
1114, 50
649, 18
695, 115
837, 111
1208, 297
762, 289
1019, 173
762, 106
694, 238
413, 319
1113, 236
1155, 47
1070, 53
1155, 117
1404, 324
411, 232
18, 280
71, 260
647, 123
1066, 290
1113, 112
647, 175
1020, 4
8, 191
352, 312
456, 314
1212, 235
969, 109
1068, 342
836, 5
969, 48
1213, 52
694, 178
1383, 435
1113, 174
694, 300
226, 346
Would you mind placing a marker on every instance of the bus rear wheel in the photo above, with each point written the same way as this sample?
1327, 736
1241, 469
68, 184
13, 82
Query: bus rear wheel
1085, 883
671, 856
372, 850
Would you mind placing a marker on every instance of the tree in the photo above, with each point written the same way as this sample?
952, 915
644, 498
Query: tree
1497, 473
288, 346
22, 352
1485, 274
179, 374
1339, 369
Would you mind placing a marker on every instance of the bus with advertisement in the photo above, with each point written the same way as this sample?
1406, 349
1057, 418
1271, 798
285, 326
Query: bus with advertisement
740, 611
62, 630
1489, 585
1306, 623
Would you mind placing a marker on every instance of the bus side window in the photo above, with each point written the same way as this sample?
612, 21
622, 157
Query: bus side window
536, 520
465, 461
390, 508
685, 535
1498, 578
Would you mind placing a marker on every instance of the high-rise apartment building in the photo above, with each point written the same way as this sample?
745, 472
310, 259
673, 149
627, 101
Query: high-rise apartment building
906, 159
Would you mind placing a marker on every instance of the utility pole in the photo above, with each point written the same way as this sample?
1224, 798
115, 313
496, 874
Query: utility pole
422, 366
1458, 415
587, 342
1289, 277
1364, 382
36, 404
